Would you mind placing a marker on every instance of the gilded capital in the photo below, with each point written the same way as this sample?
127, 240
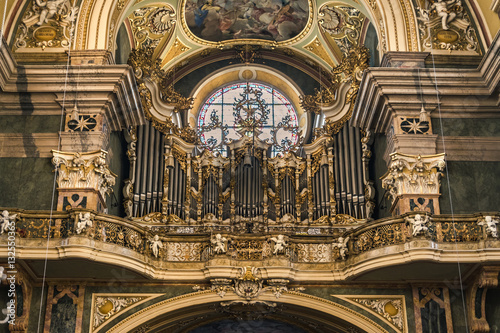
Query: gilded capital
83, 171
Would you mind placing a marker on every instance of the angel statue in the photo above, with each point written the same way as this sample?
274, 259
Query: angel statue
342, 246
156, 245
418, 224
48, 9
220, 243
279, 244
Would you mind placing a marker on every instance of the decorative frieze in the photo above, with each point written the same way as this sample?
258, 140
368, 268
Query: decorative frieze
414, 180
83, 179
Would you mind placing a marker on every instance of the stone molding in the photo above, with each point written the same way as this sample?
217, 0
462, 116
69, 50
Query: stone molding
101, 89
470, 148
386, 91
28, 145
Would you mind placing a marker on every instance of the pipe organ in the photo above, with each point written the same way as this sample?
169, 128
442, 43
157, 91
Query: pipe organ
249, 188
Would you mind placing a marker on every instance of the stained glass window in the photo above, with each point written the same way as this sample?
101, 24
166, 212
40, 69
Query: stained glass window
251, 109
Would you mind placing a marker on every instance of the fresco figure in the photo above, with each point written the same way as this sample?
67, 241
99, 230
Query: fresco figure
219, 20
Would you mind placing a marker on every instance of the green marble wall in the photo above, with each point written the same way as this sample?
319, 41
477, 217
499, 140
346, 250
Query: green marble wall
378, 168
123, 47
473, 188
26, 183
37, 310
493, 309
28, 124
457, 310
120, 166
466, 126
371, 42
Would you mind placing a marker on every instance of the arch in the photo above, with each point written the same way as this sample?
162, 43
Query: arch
185, 308
259, 73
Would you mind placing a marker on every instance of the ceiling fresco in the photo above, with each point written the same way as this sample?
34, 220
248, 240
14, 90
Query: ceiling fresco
221, 20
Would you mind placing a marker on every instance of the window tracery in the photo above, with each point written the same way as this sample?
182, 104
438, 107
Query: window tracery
252, 109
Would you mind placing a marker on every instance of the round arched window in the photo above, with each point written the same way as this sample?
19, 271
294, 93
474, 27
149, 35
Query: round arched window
251, 109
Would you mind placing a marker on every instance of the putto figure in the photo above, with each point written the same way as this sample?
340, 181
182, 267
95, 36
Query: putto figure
491, 226
418, 224
84, 221
48, 9
279, 244
5, 221
220, 243
342, 246
443, 11
156, 245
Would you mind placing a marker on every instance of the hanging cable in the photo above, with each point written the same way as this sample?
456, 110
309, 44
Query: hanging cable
61, 128
448, 185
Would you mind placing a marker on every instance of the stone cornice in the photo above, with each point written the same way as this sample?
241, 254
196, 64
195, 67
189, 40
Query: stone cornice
462, 92
107, 89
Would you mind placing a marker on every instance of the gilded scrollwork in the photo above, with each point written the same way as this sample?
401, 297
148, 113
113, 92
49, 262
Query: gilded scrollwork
314, 252
107, 306
446, 25
391, 309
348, 72
151, 24
47, 24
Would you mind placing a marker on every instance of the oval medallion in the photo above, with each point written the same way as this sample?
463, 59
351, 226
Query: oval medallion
45, 33
447, 36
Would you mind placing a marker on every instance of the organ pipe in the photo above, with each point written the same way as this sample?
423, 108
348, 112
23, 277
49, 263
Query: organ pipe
342, 164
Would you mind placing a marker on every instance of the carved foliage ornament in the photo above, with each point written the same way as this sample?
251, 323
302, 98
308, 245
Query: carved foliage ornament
410, 174
47, 24
83, 171
106, 306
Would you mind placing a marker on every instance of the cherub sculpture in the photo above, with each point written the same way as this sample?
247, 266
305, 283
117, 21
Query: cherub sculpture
442, 10
418, 224
6, 221
84, 221
279, 244
491, 226
48, 9
156, 245
220, 243
342, 246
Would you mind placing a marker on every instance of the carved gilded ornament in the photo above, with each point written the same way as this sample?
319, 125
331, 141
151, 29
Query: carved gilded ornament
392, 309
151, 24
107, 306
147, 67
348, 72
342, 24
248, 286
47, 24
83, 171
409, 174
446, 25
